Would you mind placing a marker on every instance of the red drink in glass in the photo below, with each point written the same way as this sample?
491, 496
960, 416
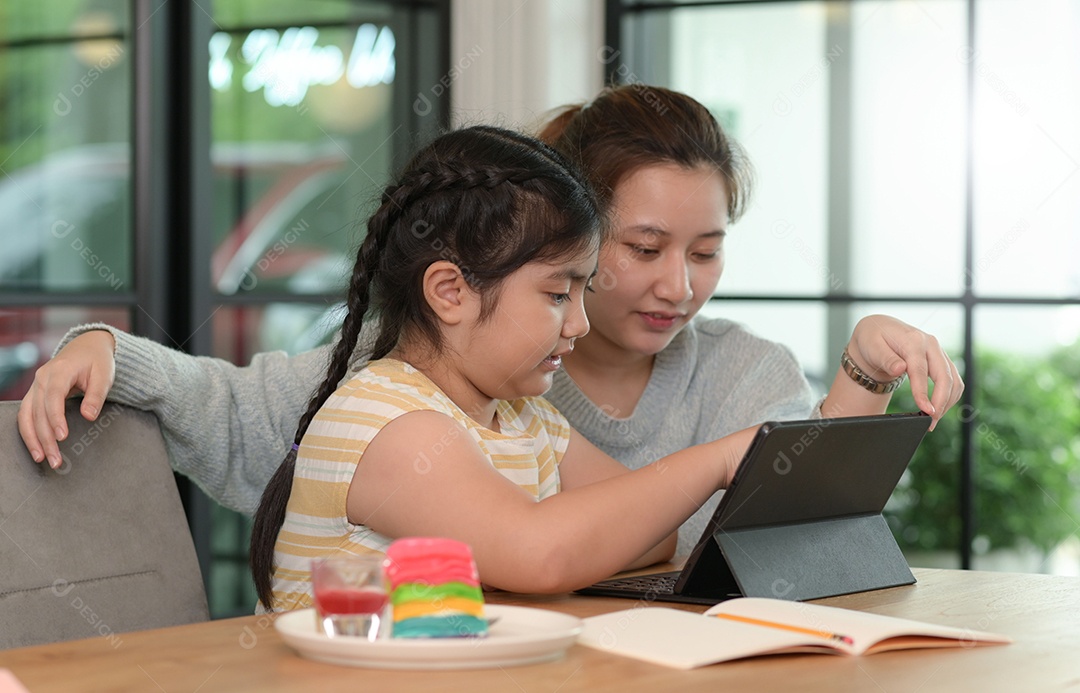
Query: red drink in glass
349, 595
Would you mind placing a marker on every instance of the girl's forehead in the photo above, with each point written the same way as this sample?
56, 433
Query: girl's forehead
578, 267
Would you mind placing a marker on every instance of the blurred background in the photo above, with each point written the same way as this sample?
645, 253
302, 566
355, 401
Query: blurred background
197, 172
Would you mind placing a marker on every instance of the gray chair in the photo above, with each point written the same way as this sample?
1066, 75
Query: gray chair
101, 545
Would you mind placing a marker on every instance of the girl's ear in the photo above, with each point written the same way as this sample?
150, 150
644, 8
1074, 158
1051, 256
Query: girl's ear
447, 292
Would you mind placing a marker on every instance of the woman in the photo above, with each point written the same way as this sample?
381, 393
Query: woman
651, 379
648, 379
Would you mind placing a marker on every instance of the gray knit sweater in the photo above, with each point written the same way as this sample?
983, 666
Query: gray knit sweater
228, 427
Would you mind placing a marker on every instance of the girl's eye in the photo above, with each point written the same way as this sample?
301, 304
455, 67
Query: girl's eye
589, 287
704, 257
559, 299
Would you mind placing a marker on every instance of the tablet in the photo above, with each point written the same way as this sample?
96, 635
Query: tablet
801, 519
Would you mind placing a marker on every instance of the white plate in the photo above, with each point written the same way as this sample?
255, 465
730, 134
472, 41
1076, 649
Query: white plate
520, 636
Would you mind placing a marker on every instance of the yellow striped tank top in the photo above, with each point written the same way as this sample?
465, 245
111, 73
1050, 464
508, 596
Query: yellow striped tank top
527, 450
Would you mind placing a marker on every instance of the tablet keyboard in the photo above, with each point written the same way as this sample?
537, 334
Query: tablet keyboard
658, 583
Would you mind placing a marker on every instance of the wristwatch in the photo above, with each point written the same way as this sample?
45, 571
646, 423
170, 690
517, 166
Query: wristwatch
856, 374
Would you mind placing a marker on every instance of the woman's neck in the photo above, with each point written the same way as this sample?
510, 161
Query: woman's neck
613, 378
478, 406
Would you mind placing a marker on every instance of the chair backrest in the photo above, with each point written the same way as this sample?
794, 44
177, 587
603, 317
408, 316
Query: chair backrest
99, 546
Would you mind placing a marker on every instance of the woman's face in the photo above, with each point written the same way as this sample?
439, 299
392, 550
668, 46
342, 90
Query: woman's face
664, 259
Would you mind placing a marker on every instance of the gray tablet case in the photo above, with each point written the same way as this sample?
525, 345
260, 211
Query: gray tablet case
802, 518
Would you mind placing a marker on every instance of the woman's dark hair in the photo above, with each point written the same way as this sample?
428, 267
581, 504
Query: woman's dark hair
631, 126
486, 199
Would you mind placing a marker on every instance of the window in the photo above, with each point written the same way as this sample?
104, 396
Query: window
917, 159
65, 222
198, 173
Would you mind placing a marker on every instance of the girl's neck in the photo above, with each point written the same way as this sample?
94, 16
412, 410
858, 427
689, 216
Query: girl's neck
478, 406
613, 378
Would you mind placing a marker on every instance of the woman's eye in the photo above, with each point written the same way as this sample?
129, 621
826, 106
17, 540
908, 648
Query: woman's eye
559, 299
643, 250
704, 257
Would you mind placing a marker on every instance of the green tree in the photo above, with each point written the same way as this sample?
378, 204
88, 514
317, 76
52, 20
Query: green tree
1026, 423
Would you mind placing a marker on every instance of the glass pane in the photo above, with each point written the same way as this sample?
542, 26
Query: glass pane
231, 591
757, 68
301, 125
1027, 445
779, 75
26, 21
240, 332
924, 510
907, 147
28, 337
1027, 148
64, 126
289, 12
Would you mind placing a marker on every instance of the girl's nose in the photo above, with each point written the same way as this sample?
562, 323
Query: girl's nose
577, 323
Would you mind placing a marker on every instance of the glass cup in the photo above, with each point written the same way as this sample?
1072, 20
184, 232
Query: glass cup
350, 595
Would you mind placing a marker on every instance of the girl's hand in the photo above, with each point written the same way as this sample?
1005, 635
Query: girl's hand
886, 348
85, 365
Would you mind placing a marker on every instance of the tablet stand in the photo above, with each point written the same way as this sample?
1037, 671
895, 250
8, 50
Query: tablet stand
807, 560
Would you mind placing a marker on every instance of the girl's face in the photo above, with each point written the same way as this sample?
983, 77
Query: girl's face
539, 314
664, 259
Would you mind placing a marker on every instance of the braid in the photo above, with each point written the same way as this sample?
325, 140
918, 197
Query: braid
449, 176
270, 515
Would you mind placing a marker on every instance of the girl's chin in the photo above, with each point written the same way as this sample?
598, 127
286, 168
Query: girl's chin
538, 386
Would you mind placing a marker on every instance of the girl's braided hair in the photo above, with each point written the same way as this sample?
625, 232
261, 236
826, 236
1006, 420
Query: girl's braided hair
486, 199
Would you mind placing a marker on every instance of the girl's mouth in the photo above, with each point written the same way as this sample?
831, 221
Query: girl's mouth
553, 363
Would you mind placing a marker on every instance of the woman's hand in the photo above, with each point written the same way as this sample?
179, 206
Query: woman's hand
886, 348
85, 365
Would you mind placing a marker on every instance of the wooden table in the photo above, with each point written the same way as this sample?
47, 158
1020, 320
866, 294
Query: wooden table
1041, 613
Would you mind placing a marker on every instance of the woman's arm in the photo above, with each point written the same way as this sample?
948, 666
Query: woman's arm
566, 541
227, 427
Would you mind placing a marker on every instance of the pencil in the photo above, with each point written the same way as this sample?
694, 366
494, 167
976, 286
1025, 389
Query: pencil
784, 626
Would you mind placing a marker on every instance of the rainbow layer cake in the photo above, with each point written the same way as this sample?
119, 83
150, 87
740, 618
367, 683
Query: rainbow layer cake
434, 589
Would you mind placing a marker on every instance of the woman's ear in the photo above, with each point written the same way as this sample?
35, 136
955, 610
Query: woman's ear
447, 292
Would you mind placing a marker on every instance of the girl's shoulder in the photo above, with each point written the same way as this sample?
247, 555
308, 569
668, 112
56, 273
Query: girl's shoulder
390, 386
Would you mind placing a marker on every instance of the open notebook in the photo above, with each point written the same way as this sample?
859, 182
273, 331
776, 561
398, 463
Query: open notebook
749, 627
801, 519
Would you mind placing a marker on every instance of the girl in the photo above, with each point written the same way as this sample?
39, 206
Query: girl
476, 263
649, 379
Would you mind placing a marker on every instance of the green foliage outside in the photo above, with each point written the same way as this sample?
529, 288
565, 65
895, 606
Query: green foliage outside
1027, 459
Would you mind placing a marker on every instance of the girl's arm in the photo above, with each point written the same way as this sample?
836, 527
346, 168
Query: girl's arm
585, 464
564, 542
227, 427
885, 348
